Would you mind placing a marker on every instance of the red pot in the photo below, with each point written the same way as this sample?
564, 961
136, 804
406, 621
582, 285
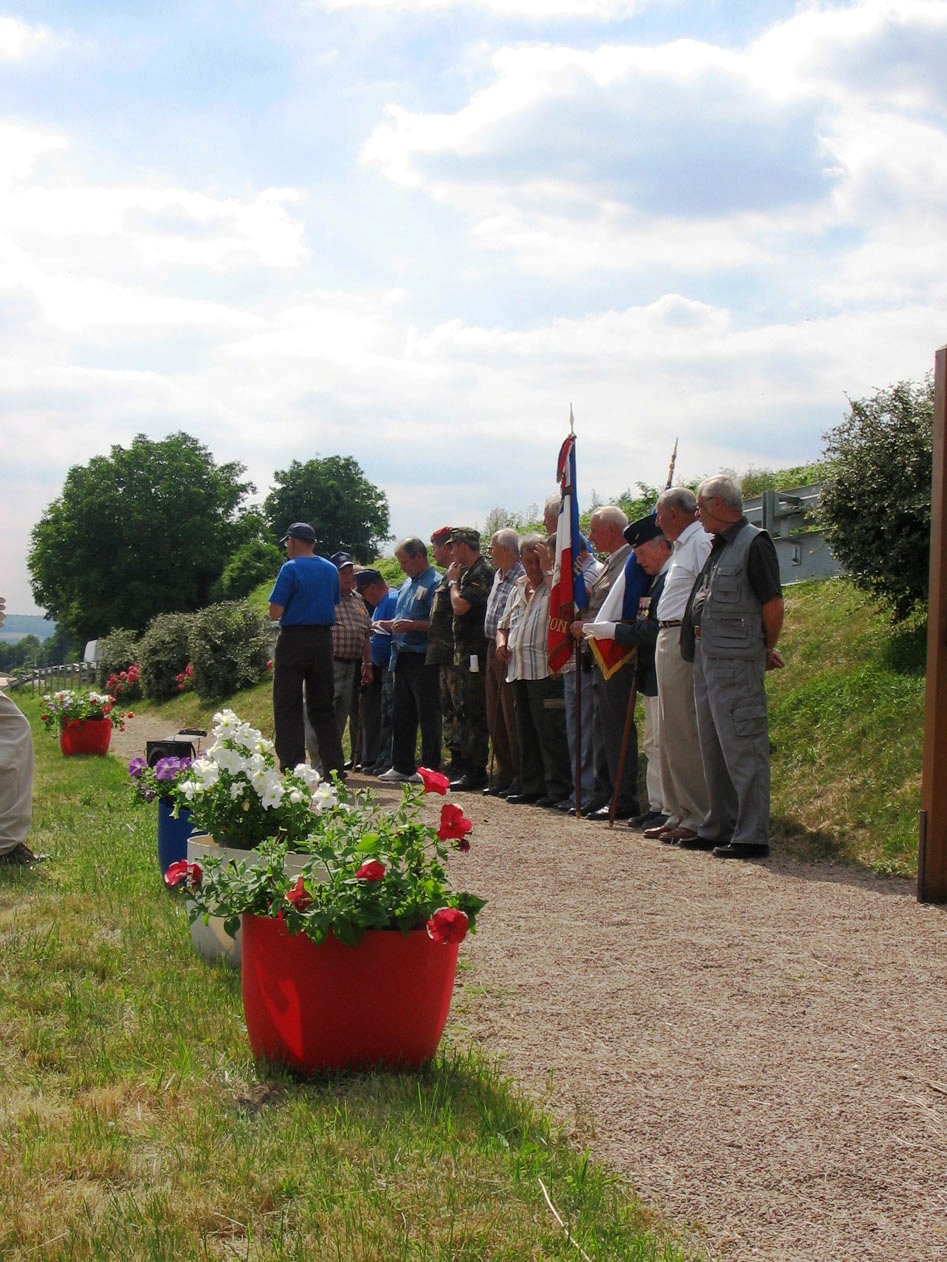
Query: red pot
315, 1008
86, 736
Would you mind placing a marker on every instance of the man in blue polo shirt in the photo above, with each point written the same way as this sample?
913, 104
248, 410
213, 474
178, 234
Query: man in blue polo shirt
303, 601
417, 700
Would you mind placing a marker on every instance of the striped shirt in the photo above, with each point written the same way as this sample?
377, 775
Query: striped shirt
527, 623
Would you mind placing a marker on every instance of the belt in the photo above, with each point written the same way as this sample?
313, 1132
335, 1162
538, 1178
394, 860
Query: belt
346, 659
672, 622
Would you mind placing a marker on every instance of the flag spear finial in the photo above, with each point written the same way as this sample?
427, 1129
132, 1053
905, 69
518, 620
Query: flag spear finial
667, 485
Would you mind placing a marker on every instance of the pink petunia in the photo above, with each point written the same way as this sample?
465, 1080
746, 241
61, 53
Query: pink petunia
182, 870
371, 870
299, 896
454, 825
434, 781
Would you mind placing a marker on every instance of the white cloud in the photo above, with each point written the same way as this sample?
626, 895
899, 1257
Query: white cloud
18, 41
536, 10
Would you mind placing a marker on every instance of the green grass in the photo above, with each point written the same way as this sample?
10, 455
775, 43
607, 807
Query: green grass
847, 729
135, 1124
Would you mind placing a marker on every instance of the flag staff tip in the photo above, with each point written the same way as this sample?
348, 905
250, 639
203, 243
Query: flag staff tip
571, 420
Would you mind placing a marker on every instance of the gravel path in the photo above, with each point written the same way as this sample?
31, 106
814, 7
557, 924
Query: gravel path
758, 1048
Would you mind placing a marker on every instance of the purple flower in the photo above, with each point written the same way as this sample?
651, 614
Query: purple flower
136, 767
169, 768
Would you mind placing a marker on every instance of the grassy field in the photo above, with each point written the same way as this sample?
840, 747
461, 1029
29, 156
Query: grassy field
134, 1123
847, 729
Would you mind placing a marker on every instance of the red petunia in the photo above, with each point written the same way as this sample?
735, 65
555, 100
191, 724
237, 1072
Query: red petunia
183, 871
448, 924
434, 781
454, 826
299, 896
371, 870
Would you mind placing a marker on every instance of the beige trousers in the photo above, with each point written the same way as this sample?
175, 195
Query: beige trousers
686, 800
16, 775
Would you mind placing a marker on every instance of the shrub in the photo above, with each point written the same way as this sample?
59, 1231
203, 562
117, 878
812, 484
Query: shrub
253, 563
229, 648
876, 500
164, 653
116, 652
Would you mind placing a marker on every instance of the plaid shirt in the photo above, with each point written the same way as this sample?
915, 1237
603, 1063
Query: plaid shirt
503, 584
350, 629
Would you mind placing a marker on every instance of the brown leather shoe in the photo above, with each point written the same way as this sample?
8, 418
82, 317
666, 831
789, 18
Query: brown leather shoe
681, 834
658, 833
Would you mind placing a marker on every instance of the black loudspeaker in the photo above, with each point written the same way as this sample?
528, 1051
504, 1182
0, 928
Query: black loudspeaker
156, 750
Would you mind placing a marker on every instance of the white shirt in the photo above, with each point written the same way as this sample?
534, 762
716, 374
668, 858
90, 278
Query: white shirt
691, 549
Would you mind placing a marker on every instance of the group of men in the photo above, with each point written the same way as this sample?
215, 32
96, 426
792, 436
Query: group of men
684, 609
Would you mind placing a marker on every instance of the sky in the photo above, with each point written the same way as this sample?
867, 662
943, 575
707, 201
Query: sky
416, 232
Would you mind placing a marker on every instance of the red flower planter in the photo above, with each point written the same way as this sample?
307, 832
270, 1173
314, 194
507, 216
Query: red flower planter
86, 736
316, 1008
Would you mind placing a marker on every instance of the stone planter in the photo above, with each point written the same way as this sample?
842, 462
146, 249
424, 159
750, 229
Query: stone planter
211, 940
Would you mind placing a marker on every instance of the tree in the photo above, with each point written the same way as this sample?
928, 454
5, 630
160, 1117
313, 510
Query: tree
876, 499
144, 530
334, 496
252, 563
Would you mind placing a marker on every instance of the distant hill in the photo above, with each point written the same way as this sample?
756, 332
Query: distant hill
17, 625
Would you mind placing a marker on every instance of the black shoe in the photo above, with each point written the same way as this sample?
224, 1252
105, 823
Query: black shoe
547, 801
469, 782
603, 812
522, 799
508, 792
749, 850
700, 843
650, 819
21, 856
565, 806
497, 791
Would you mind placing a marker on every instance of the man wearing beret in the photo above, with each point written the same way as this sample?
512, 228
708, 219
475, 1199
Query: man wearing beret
469, 579
653, 553
303, 601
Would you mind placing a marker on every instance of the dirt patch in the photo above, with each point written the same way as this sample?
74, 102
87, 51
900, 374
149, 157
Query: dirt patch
758, 1048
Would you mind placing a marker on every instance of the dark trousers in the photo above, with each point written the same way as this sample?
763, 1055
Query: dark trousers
611, 707
544, 752
416, 704
303, 657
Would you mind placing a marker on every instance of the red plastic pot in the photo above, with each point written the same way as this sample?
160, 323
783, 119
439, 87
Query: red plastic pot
86, 736
317, 1008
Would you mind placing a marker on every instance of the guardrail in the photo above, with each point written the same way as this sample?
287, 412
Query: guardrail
52, 678
792, 518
